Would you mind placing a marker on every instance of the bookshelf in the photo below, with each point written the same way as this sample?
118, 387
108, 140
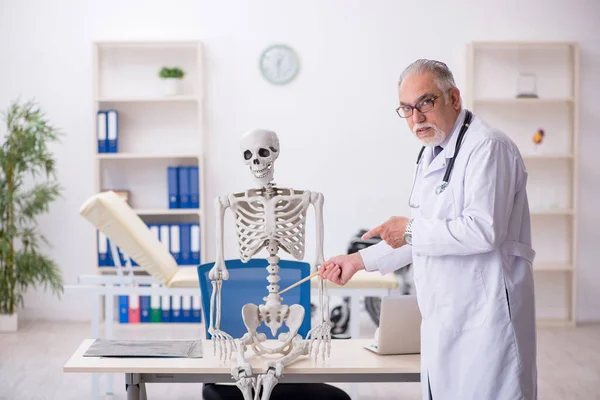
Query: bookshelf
493, 73
155, 130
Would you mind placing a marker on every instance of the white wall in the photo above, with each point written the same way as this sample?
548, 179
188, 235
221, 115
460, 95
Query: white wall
338, 131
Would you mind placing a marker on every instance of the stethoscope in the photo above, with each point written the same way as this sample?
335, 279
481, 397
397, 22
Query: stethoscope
441, 187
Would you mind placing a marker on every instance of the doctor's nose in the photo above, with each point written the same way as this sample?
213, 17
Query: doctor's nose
418, 117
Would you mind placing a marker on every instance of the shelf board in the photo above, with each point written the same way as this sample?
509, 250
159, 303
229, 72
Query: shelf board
548, 156
142, 156
552, 267
136, 270
147, 44
519, 45
167, 211
144, 99
552, 212
508, 101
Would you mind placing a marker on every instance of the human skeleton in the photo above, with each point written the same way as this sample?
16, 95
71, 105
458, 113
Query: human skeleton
272, 218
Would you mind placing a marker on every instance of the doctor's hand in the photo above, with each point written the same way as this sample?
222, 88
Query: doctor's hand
340, 269
392, 231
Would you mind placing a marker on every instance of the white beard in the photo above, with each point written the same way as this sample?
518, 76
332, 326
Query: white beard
438, 135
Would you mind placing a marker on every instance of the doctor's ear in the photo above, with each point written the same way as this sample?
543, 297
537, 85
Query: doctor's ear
455, 98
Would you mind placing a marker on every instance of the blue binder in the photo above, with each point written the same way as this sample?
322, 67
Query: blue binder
196, 314
145, 307
194, 188
165, 308
195, 243
124, 309
173, 187
112, 123
101, 131
186, 309
185, 255
175, 242
184, 187
110, 261
176, 309
102, 249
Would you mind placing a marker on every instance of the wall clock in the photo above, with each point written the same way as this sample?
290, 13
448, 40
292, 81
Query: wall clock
279, 64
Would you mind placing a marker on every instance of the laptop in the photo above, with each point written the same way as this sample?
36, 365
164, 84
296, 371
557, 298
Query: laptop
399, 329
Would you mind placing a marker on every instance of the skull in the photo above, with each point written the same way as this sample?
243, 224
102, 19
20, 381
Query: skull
260, 149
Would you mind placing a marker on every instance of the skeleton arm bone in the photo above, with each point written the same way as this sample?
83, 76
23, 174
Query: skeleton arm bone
217, 274
316, 199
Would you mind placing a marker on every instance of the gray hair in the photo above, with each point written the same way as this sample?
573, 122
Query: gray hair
442, 74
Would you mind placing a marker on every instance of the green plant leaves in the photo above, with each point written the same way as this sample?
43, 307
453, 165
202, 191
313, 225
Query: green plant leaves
171, 72
24, 157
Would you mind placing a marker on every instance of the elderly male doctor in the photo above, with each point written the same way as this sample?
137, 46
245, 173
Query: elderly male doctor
469, 240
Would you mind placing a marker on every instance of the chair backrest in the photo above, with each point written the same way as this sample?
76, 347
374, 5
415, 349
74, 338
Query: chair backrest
248, 283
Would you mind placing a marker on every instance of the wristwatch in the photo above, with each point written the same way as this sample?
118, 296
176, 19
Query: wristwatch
408, 232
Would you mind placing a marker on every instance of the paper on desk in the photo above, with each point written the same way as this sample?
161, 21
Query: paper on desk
145, 348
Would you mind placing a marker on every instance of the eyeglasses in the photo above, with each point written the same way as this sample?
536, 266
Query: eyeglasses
406, 110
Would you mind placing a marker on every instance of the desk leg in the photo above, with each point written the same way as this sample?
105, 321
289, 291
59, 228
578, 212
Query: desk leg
355, 316
109, 318
132, 387
95, 334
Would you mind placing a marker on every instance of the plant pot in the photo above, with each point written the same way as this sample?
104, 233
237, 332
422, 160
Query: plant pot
8, 322
171, 86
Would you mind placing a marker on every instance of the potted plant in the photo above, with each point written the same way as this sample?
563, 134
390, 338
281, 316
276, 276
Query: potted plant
27, 187
171, 77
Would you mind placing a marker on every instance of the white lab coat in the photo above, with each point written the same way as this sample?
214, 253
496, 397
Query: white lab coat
472, 260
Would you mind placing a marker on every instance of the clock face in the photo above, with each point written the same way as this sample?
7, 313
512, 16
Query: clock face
279, 64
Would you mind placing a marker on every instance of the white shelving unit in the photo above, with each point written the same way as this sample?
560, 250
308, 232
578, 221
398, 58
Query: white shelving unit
492, 87
155, 130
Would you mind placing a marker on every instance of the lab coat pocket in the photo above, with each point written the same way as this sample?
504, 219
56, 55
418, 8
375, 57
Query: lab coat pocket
462, 300
442, 206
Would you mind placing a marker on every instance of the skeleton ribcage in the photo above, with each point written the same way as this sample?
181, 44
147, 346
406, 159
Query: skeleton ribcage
282, 218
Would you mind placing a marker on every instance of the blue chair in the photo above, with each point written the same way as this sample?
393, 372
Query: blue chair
248, 283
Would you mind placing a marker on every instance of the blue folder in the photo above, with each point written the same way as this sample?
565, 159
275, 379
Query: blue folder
194, 187
173, 187
184, 187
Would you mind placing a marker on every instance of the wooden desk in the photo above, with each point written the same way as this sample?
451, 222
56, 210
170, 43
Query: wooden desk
349, 362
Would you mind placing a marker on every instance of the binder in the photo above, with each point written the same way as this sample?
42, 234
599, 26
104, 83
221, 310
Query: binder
124, 309
175, 244
196, 305
134, 309
186, 309
195, 243
184, 187
110, 260
194, 188
155, 312
173, 187
112, 122
165, 236
101, 133
144, 307
186, 255
176, 309
102, 249
165, 308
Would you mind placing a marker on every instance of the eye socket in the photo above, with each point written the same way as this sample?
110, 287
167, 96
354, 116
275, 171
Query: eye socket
264, 153
247, 155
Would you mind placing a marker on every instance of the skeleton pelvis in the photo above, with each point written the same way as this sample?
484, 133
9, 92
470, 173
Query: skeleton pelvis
273, 315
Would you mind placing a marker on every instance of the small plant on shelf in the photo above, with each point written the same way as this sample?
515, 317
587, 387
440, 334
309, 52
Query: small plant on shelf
171, 77
174, 72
